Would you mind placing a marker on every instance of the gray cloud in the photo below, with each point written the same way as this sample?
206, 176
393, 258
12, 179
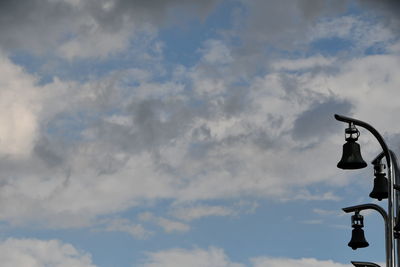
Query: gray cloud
284, 22
155, 11
105, 146
317, 122
36, 25
45, 150
266, 28
44, 26
388, 9
41, 26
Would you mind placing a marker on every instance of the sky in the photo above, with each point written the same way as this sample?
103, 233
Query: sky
166, 133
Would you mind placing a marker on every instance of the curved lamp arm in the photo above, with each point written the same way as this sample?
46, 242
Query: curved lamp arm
364, 264
368, 206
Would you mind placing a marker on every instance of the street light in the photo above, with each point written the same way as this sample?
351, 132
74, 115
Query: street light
357, 235
380, 190
351, 157
383, 189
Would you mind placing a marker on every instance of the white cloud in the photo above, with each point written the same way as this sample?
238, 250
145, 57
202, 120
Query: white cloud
362, 33
324, 212
73, 152
37, 253
216, 257
216, 52
303, 63
172, 226
306, 195
116, 168
167, 225
19, 108
313, 222
304, 262
113, 143
124, 225
155, 149
213, 257
197, 212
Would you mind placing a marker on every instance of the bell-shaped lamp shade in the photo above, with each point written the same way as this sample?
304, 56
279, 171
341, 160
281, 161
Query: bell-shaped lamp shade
380, 190
351, 157
357, 234
358, 239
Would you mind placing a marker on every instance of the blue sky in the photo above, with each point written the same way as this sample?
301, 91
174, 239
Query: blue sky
190, 133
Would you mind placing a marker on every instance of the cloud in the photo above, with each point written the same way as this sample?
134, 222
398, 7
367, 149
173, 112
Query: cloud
281, 25
37, 25
213, 257
283, 22
172, 226
168, 225
110, 144
351, 35
197, 212
304, 262
387, 10
85, 29
301, 64
306, 195
34, 252
216, 257
105, 149
313, 222
19, 108
137, 231
318, 119
269, 30
95, 42
324, 212
73, 152
216, 52
194, 212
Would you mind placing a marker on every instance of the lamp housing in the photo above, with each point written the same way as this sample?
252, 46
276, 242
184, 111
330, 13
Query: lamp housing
351, 156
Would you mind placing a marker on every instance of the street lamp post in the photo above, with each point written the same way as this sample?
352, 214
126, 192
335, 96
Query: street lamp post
383, 188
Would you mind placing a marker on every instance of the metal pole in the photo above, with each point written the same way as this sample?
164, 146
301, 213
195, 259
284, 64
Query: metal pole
390, 222
391, 212
396, 175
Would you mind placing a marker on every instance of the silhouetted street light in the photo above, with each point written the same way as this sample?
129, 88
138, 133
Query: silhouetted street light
380, 190
351, 157
357, 235
384, 187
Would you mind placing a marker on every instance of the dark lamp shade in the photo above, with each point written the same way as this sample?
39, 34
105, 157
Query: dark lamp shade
351, 157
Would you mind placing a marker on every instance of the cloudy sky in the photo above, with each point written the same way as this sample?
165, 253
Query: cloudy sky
166, 133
